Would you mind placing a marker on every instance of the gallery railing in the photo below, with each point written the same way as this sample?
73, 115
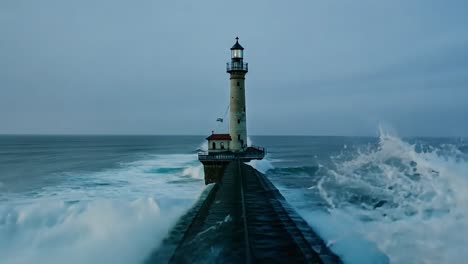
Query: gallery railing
237, 66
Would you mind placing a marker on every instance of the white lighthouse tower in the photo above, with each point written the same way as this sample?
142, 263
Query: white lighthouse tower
237, 118
225, 148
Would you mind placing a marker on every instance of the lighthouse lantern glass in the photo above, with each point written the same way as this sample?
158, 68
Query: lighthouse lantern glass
237, 53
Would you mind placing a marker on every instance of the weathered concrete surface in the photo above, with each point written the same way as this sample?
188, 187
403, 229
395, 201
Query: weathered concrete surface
214, 170
243, 219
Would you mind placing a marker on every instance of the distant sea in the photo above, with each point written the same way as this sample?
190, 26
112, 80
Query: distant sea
112, 199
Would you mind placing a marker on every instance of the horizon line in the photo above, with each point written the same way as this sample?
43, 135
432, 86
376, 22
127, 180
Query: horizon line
200, 135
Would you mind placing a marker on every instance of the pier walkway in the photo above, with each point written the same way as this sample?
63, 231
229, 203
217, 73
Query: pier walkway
242, 219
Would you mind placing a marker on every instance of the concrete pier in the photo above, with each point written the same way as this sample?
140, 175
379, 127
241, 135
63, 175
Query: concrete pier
242, 219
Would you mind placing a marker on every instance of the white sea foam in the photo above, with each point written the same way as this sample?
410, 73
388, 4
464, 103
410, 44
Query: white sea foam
262, 165
414, 206
100, 231
112, 216
203, 146
195, 172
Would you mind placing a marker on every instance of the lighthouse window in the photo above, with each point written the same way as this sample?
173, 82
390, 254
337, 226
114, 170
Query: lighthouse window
238, 137
238, 121
236, 53
214, 145
244, 109
238, 83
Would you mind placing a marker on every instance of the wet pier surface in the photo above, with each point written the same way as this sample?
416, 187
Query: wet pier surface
242, 219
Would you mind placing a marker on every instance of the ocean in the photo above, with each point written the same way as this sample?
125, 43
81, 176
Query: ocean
112, 199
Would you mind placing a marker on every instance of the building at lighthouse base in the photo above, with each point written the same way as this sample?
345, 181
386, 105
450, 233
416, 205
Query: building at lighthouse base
219, 155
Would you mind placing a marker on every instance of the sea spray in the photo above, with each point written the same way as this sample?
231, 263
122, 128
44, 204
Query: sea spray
110, 216
262, 165
82, 232
378, 200
408, 199
195, 172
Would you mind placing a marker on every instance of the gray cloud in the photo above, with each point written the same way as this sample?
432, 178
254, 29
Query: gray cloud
157, 67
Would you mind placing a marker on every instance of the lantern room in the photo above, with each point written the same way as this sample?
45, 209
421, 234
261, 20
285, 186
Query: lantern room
237, 51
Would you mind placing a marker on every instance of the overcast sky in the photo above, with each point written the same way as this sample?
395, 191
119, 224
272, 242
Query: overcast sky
331, 67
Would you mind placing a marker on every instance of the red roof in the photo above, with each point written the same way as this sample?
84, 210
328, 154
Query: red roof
219, 137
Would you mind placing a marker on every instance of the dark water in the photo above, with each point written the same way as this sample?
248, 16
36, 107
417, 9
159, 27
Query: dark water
29, 162
94, 199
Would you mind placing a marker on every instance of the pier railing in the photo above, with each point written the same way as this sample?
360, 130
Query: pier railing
212, 156
249, 153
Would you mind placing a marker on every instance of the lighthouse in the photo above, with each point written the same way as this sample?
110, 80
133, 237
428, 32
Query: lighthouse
237, 70
226, 147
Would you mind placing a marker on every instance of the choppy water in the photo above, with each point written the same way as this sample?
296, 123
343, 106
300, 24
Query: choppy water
95, 199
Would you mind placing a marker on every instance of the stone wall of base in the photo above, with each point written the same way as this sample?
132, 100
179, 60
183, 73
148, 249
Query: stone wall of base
214, 170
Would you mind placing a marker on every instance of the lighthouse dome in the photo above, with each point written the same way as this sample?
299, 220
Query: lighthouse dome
237, 46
